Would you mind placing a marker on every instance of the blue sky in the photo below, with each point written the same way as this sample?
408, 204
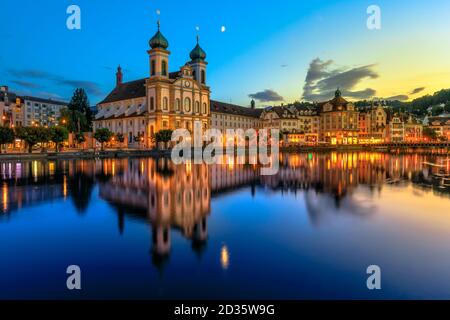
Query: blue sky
268, 49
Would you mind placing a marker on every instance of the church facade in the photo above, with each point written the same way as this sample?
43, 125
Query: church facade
138, 109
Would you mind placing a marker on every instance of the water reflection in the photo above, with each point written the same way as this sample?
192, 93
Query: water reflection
177, 198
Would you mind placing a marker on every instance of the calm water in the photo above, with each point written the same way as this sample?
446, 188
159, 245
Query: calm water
145, 228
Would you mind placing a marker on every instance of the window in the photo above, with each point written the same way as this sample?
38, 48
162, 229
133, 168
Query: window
152, 103
164, 124
197, 107
177, 104
152, 71
187, 105
164, 68
203, 75
165, 103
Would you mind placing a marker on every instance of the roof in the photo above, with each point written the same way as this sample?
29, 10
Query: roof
441, 120
42, 100
222, 107
125, 91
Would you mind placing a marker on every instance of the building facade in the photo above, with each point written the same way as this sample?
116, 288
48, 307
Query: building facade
28, 111
372, 124
338, 121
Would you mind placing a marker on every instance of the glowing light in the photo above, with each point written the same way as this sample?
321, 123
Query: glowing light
224, 257
5, 197
223, 29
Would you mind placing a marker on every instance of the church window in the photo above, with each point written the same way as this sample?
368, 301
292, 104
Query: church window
165, 103
187, 104
177, 104
152, 68
203, 76
152, 103
164, 68
197, 107
204, 108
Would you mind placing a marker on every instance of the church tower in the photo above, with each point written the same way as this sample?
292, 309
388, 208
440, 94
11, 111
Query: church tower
198, 63
159, 55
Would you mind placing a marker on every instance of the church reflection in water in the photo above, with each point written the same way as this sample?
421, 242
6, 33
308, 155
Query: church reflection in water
177, 198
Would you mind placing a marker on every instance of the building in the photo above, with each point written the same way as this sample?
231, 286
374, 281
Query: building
396, 129
413, 130
441, 125
229, 116
372, 124
38, 111
299, 124
28, 111
163, 100
338, 121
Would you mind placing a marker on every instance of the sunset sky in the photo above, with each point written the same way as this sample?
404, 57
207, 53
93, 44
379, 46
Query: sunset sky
274, 51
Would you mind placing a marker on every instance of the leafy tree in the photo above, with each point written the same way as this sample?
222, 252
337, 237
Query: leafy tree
31, 136
6, 136
43, 136
80, 138
73, 120
163, 135
429, 133
58, 135
103, 135
79, 107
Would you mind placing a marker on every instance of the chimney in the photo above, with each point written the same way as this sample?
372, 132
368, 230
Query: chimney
252, 104
119, 76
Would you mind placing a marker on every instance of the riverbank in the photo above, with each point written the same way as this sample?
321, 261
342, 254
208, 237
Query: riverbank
86, 154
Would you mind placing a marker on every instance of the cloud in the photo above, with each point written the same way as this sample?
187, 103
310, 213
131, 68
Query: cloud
322, 79
400, 97
26, 84
266, 96
90, 86
417, 90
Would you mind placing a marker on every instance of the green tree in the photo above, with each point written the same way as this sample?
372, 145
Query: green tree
103, 135
31, 136
79, 108
73, 120
58, 135
43, 136
163, 135
429, 133
6, 136
80, 138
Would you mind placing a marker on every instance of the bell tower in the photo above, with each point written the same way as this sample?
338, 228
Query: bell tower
198, 63
159, 55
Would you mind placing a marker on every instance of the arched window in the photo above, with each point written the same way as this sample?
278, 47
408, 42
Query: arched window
194, 75
164, 68
204, 108
177, 105
187, 105
152, 103
165, 103
197, 107
152, 68
203, 75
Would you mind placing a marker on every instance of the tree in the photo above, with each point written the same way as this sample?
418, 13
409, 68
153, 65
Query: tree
80, 138
429, 133
58, 135
79, 108
103, 135
6, 136
43, 136
73, 120
31, 136
120, 138
163, 135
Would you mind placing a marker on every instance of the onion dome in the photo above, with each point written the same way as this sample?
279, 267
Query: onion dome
158, 41
197, 53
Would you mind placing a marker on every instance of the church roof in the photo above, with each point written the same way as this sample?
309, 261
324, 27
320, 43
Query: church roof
222, 107
125, 91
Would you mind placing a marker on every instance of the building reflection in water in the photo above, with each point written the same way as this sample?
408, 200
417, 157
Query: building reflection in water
177, 198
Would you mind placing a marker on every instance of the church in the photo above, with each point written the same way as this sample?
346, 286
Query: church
138, 109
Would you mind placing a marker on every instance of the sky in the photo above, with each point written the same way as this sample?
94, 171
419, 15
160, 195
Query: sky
272, 51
